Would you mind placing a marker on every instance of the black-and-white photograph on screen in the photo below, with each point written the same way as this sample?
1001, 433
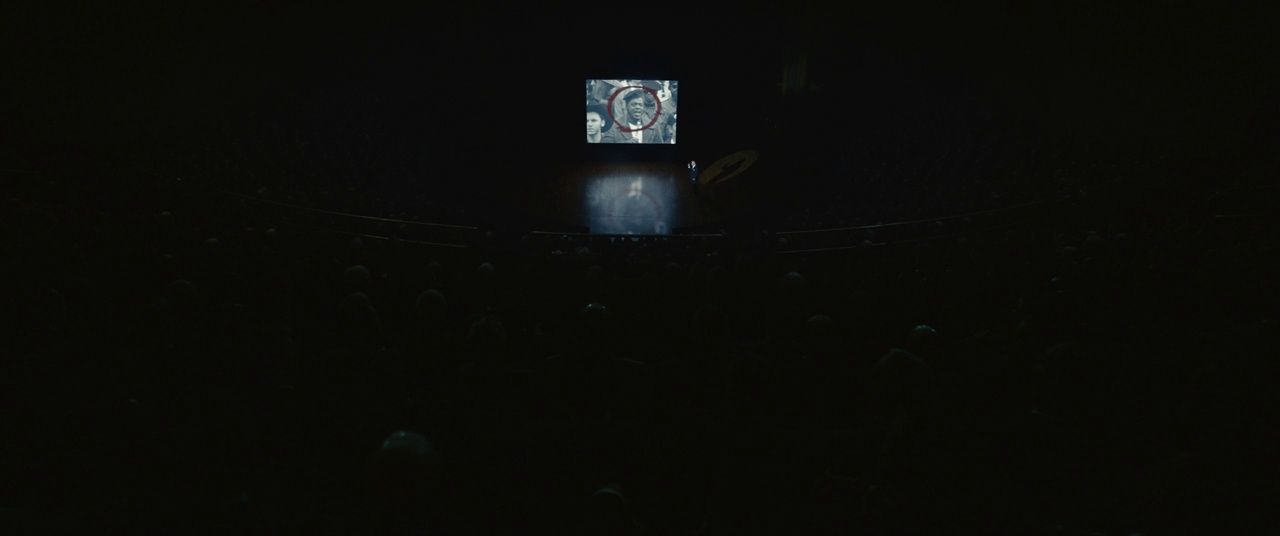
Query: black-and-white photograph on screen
632, 111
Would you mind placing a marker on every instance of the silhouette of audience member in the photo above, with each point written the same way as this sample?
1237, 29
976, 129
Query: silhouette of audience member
357, 279
406, 489
923, 341
486, 287
356, 252
486, 342
431, 308
358, 323
607, 511
902, 381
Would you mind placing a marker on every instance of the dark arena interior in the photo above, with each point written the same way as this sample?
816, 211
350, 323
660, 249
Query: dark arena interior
277, 268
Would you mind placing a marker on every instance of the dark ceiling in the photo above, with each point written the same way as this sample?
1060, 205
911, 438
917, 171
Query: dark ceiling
102, 85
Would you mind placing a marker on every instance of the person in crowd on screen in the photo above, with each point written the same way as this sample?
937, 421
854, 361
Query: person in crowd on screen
641, 128
615, 91
668, 94
596, 123
600, 127
666, 116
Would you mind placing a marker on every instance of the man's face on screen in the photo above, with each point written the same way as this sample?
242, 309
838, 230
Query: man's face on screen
635, 109
594, 123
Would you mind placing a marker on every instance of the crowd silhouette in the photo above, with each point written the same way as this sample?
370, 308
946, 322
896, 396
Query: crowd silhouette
306, 269
197, 367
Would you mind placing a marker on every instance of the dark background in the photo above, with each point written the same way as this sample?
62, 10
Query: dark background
446, 103
1103, 354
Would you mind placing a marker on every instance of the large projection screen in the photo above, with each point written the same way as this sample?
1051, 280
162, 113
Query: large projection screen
632, 111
